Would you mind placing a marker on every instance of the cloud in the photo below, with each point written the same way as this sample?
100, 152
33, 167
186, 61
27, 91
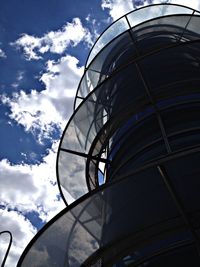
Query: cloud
118, 8
71, 170
41, 112
31, 187
192, 3
19, 78
54, 41
22, 231
27, 188
2, 54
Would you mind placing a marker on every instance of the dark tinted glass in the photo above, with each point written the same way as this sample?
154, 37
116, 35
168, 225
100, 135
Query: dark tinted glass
135, 209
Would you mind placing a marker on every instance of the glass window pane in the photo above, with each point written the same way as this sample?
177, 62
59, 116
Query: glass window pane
116, 54
71, 176
159, 33
192, 31
182, 117
77, 102
114, 30
140, 143
184, 175
148, 13
88, 83
177, 69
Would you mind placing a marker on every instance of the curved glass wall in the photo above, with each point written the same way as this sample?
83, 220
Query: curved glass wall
105, 42
128, 160
132, 19
121, 85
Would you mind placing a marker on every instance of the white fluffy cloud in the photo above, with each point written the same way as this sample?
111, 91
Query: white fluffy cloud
41, 111
54, 41
27, 188
22, 231
2, 54
118, 8
31, 187
192, 3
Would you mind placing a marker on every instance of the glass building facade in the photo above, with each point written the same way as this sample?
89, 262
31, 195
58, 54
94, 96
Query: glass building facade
128, 163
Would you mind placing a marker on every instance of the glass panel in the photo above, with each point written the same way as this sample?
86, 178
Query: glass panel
115, 55
156, 250
177, 69
182, 117
127, 93
113, 31
146, 214
117, 96
93, 174
183, 256
67, 242
118, 53
80, 132
159, 33
192, 31
71, 175
140, 143
185, 140
78, 102
118, 93
88, 83
184, 174
151, 12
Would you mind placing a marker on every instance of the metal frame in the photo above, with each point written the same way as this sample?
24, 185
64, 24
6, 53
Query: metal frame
9, 246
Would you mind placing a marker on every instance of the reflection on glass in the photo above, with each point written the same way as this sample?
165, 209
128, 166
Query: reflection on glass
143, 215
118, 27
136, 17
71, 171
145, 14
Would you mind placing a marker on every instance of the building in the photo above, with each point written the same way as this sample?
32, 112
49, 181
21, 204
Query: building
128, 161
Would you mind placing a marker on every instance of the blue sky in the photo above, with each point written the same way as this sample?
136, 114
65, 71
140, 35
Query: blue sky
43, 48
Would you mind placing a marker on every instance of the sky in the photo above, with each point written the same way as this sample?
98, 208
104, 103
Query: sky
43, 48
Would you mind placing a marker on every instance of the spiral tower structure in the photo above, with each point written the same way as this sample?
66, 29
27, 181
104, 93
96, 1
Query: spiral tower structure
128, 161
